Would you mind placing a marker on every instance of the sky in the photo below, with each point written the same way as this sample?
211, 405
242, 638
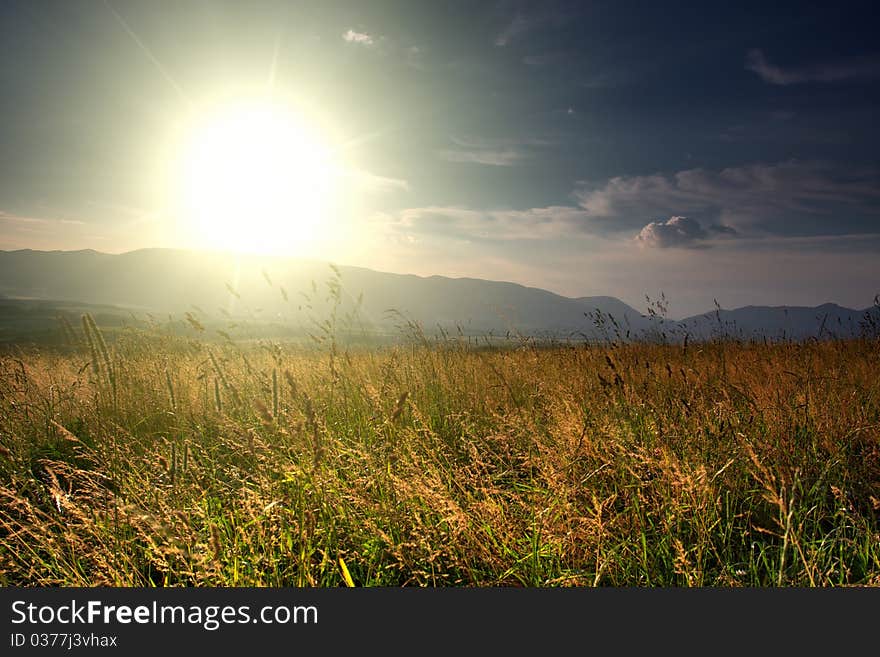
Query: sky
704, 151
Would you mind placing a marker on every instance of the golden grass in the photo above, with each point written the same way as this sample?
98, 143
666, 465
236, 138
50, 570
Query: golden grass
196, 464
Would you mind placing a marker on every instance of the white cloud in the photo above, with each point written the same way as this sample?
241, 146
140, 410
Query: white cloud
371, 182
498, 158
361, 38
853, 68
681, 232
675, 231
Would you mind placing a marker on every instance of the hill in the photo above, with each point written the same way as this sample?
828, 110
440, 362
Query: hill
221, 289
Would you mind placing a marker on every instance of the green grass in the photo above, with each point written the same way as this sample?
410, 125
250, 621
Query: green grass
158, 460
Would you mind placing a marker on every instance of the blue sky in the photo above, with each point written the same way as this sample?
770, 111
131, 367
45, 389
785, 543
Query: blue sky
708, 151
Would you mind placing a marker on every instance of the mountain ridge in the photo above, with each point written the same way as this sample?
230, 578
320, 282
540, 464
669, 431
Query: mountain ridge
178, 280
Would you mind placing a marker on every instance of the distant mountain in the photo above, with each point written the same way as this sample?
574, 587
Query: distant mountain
212, 285
224, 288
781, 322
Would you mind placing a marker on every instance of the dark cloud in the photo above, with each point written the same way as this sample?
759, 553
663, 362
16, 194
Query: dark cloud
756, 201
721, 229
792, 197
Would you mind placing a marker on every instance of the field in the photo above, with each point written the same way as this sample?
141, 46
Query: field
143, 459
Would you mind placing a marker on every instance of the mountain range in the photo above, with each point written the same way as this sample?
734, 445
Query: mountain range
218, 288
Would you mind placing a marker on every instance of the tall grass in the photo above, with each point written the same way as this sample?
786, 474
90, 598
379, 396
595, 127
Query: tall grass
168, 461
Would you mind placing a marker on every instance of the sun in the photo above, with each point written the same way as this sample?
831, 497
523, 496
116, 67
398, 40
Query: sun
255, 176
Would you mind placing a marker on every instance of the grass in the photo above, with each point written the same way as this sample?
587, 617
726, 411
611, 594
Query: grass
155, 460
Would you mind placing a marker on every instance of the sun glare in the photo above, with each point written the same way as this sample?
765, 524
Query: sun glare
257, 177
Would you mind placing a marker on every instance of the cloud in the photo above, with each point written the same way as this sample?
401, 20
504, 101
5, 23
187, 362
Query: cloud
786, 198
544, 59
675, 231
701, 208
132, 215
361, 38
721, 229
499, 152
11, 218
371, 182
513, 29
404, 52
498, 158
528, 17
680, 232
27, 231
853, 68
414, 56
535, 224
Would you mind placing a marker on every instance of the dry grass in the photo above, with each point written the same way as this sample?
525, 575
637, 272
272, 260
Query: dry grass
161, 461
